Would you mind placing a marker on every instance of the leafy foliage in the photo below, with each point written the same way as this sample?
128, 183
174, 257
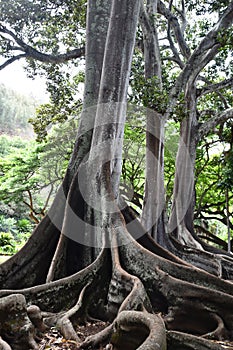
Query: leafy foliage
15, 110
13, 234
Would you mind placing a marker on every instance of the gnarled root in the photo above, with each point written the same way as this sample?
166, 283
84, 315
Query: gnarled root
34, 313
64, 323
183, 341
4, 345
15, 325
219, 332
101, 338
138, 330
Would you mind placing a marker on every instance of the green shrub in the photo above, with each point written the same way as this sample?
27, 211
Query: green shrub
7, 243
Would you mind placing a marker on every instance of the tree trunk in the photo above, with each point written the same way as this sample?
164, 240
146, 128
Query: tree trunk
154, 197
182, 213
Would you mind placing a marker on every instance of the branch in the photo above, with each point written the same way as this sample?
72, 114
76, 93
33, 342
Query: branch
200, 206
185, 50
213, 217
30, 52
204, 59
202, 55
173, 59
220, 118
150, 39
227, 83
47, 200
11, 60
172, 45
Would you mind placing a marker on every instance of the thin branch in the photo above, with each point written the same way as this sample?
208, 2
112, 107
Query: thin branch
185, 50
227, 83
11, 60
205, 163
30, 52
205, 51
206, 127
211, 216
200, 206
169, 36
174, 59
205, 59
47, 200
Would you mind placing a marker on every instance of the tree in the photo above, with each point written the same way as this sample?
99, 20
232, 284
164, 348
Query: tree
14, 112
31, 172
115, 270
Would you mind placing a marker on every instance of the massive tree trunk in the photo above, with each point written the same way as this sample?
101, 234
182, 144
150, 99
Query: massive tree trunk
182, 213
154, 197
86, 248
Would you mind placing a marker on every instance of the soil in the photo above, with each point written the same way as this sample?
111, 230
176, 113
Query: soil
54, 340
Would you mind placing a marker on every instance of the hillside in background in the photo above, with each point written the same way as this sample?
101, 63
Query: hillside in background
15, 110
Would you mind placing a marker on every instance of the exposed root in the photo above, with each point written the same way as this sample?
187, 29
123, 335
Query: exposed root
127, 290
15, 325
220, 332
67, 330
79, 310
172, 290
101, 338
52, 297
138, 330
219, 264
34, 314
139, 233
4, 345
182, 341
133, 295
56, 258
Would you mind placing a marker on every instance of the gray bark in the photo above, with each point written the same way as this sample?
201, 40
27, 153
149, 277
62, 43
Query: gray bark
154, 196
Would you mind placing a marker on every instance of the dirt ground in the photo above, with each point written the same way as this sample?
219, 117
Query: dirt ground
54, 340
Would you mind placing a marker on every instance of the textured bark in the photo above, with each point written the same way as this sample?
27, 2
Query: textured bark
15, 325
181, 341
154, 197
181, 218
31, 53
138, 330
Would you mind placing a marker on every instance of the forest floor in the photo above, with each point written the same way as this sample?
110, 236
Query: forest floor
53, 339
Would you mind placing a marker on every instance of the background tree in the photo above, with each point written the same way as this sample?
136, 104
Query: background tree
14, 112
